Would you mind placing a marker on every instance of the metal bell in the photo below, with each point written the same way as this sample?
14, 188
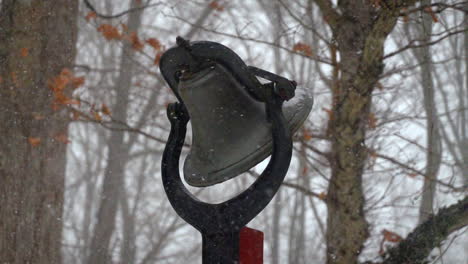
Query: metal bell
230, 131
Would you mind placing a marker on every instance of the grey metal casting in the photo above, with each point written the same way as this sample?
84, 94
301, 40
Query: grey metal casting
220, 223
211, 89
230, 132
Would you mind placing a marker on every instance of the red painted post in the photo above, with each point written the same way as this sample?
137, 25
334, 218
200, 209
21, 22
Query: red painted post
250, 246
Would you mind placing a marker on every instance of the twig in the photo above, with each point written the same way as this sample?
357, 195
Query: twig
300, 188
440, 7
123, 126
314, 57
91, 7
411, 46
404, 166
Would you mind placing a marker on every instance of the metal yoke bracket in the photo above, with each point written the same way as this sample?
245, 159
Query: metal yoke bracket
220, 223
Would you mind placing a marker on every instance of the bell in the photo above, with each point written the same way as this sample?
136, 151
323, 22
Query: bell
230, 131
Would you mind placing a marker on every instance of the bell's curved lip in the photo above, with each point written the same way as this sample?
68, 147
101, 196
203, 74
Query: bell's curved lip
302, 102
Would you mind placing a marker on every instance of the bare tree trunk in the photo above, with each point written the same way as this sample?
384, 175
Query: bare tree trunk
454, 132
277, 207
128, 251
275, 229
37, 41
465, 110
434, 144
360, 32
87, 216
292, 230
117, 158
297, 234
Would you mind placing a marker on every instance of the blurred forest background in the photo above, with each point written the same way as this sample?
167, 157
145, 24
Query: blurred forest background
380, 168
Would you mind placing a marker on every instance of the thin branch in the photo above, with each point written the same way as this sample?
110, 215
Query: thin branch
111, 125
440, 7
415, 171
314, 149
199, 22
412, 46
313, 57
300, 21
91, 7
297, 187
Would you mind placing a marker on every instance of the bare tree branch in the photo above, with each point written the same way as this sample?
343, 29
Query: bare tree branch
251, 39
91, 7
415, 171
201, 19
297, 187
440, 8
411, 44
428, 235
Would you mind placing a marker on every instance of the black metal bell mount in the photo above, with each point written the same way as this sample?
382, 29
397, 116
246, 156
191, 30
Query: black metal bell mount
236, 123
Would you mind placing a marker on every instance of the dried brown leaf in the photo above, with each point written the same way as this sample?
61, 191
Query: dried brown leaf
303, 48
90, 15
391, 236
109, 32
34, 141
